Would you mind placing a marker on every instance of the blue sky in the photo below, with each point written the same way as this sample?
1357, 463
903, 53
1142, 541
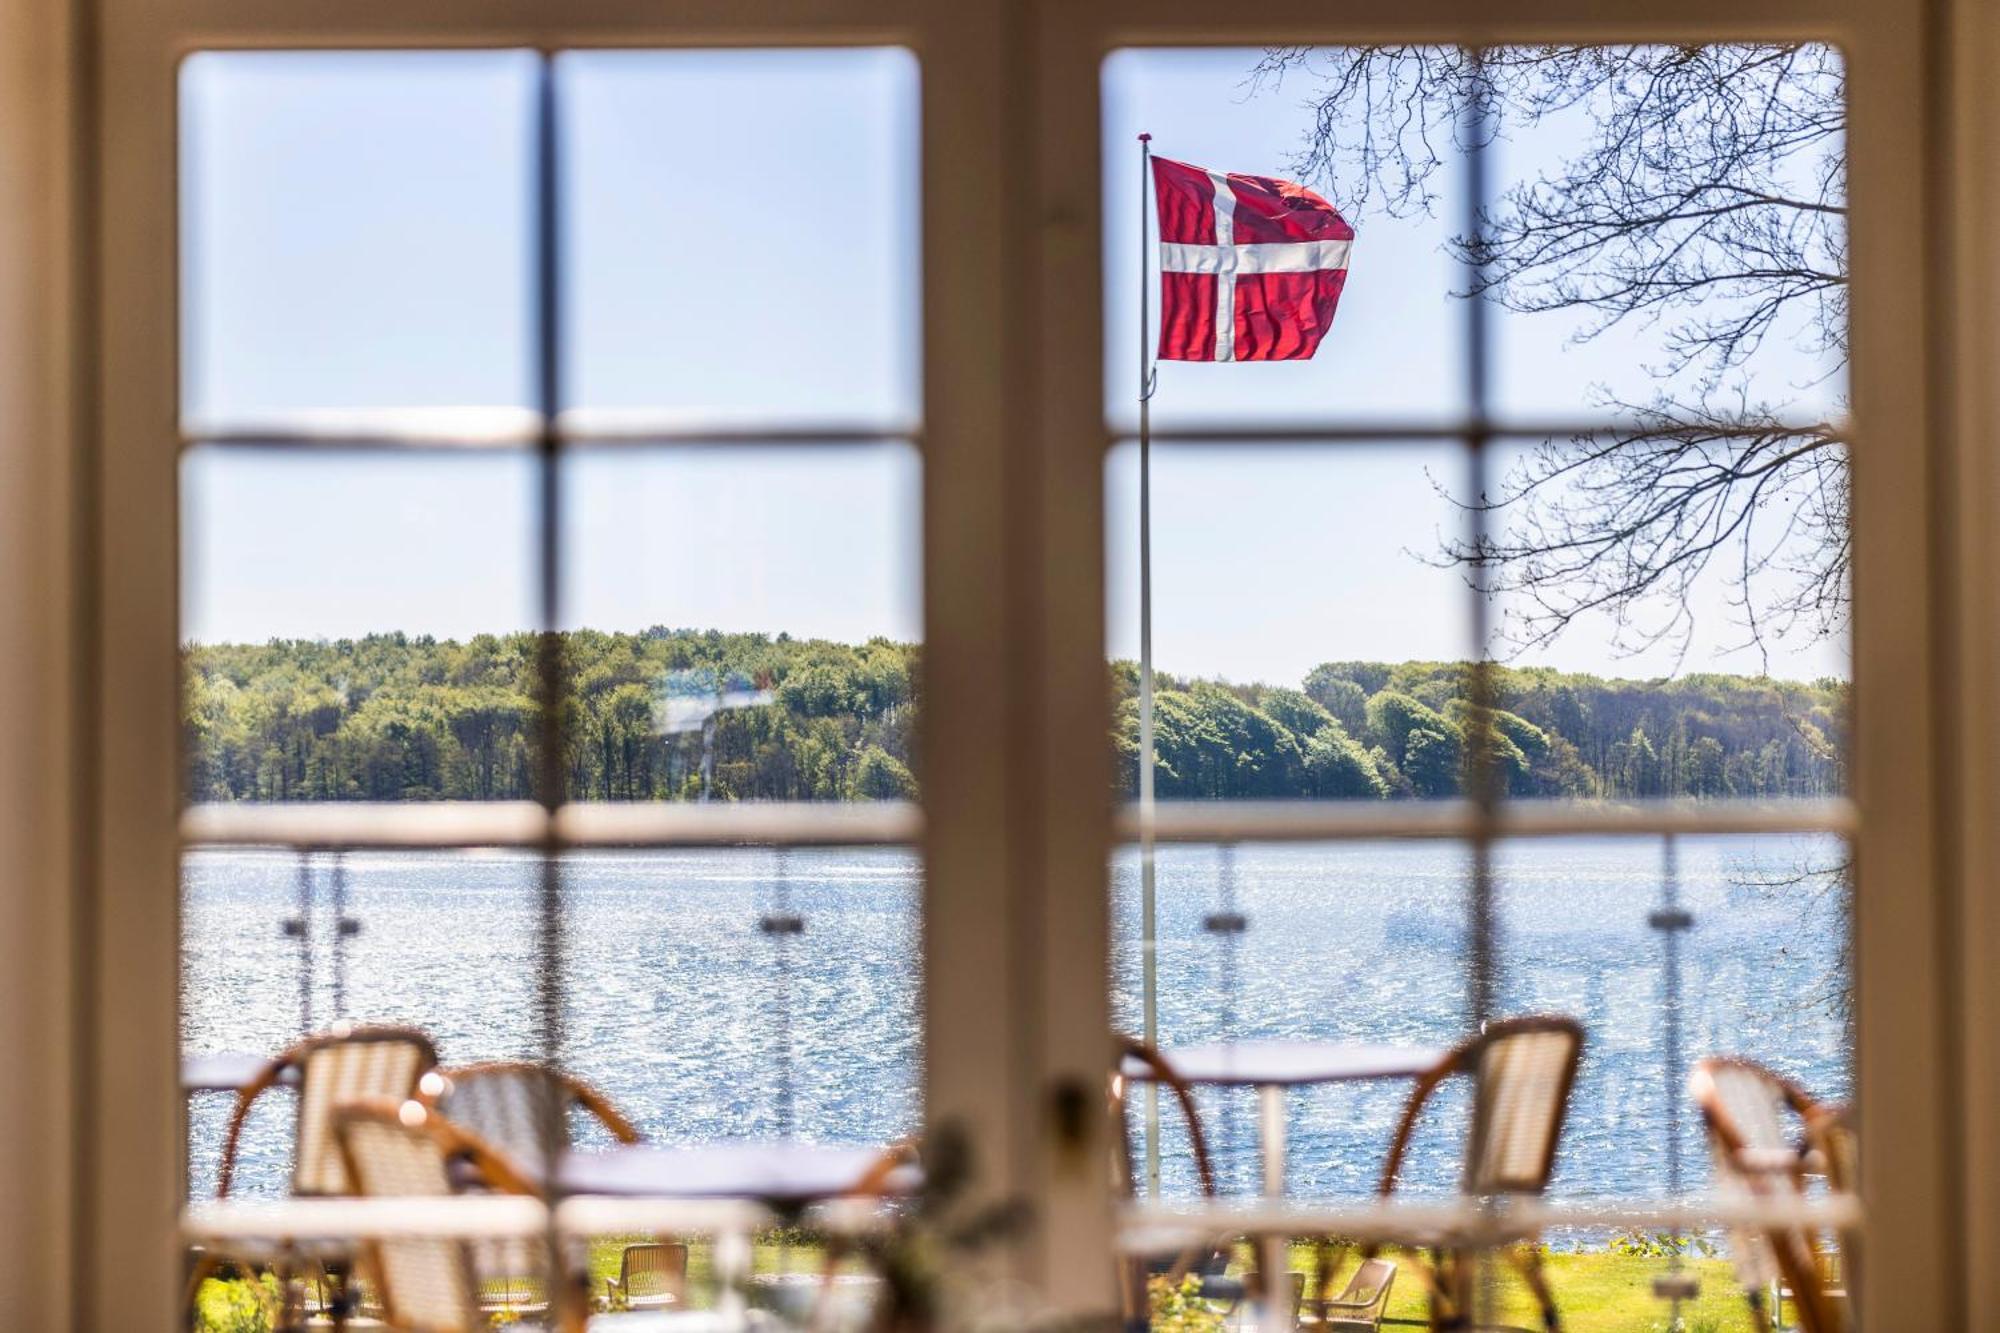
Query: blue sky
740, 238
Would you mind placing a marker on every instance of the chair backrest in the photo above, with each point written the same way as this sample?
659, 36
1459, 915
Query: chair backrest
508, 1103
428, 1285
1163, 1072
1748, 1110
1522, 1070
1133, 1273
344, 1064
649, 1272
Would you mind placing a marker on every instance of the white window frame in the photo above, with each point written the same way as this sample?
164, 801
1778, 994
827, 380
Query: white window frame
1016, 843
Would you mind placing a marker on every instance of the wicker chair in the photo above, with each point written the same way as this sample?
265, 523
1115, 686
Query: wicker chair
402, 1149
332, 1067
1522, 1071
1747, 1109
509, 1105
1208, 1263
337, 1066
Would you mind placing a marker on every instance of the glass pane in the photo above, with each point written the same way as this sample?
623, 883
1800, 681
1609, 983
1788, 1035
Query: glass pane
1396, 349
702, 1025
741, 237
355, 239
1763, 972
276, 945
745, 622
357, 626
1668, 230
1359, 942
1665, 631
1299, 622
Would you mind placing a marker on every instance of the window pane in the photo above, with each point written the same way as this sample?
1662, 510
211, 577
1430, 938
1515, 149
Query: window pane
1396, 348
1681, 247
1343, 942
1300, 620
276, 945
701, 1025
357, 626
1764, 973
355, 238
745, 622
1683, 635
741, 237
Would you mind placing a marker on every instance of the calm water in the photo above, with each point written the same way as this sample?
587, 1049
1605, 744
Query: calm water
680, 1009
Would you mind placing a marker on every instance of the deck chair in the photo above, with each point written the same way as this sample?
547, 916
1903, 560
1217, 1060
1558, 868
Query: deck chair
1360, 1305
1522, 1071
1748, 1109
650, 1277
1208, 1263
509, 1105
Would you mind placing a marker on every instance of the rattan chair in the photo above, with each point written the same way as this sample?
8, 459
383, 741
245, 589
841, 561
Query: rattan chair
332, 1067
509, 1102
341, 1065
1207, 1262
1361, 1303
1749, 1111
650, 1277
510, 1105
402, 1149
1522, 1071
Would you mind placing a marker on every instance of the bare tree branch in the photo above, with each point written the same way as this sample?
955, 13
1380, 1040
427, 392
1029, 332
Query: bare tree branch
1701, 190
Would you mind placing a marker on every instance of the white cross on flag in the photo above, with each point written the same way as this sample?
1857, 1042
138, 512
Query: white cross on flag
1251, 267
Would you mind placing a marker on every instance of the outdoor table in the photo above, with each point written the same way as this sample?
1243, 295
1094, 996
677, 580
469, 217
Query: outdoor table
1272, 1067
779, 1171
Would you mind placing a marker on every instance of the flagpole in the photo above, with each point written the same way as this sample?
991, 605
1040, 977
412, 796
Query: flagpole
1148, 906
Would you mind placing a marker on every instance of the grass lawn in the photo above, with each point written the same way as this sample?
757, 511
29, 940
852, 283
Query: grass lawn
1597, 1291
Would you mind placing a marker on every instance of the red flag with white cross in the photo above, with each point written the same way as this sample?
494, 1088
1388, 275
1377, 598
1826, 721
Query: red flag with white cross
1251, 267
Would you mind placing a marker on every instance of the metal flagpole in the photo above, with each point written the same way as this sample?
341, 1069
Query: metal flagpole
1148, 946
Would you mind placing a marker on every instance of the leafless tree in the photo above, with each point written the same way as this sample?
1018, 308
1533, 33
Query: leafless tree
1698, 191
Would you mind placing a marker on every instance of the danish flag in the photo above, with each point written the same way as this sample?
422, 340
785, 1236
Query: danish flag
1251, 267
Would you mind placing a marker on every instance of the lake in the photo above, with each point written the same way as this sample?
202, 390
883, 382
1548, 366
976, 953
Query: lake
680, 1009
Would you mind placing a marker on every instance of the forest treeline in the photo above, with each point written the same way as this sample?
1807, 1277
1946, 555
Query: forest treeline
396, 717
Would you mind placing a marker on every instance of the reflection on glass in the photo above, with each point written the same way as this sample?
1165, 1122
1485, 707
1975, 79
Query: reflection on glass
355, 239
745, 622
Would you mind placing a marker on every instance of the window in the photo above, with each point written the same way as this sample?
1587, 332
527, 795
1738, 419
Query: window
1551, 536
504, 507
1012, 423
